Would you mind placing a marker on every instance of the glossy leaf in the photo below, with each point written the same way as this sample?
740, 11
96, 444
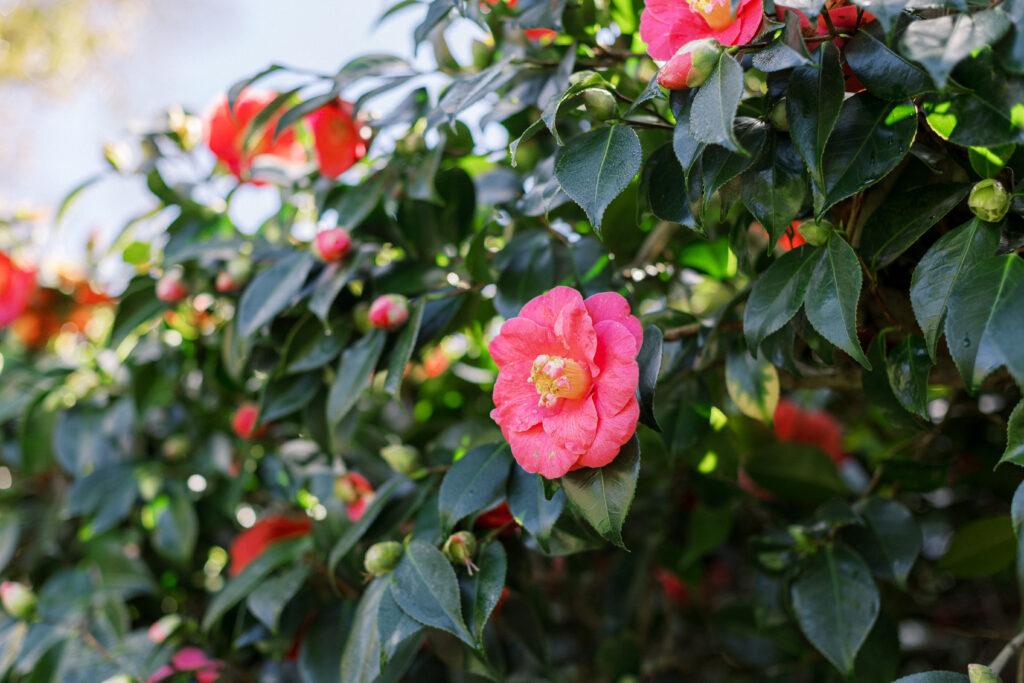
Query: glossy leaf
774, 189
402, 351
594, 168
288, 395
934, 677
357, 364
271, 291
980, 548
813, 102
908, 367
649, 360
985, 114
941, 43
270, 597
778, 294
360, 658
393, 625
904, 217
883, 72
529, 505
663, 187
715, 104
603, 495
1014, 451
424, 586
753, 385
474, 483
836, 603
886, 11
319, 654
138, 305
974, 304
486, 583
348, 540
890, 539
177, 526
795, 472
686, 147
1005, 327
832, 297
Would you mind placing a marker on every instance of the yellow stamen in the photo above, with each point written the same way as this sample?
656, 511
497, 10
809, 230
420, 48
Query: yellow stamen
718, 13
555, 377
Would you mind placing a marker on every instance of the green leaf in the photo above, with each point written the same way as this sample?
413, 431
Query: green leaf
687, 149
941, 268
715, 104
870, 138
795, 472
360, 659
393, 625
775, 187
529, 265
974, 305
271, 291
890, 540
836, 602
474, 483
941, 43
424, 586
470, 89
786, 51
137, 305
718, 166
753, 385
832, 297
908, 367
290, 393
272, 596
238, 588
331, 281
778, 294
1014, 451
813, 102
10, 531
487, 584
884, 73
310, 346
304, 108
402, 351
887, 12
594, 168
352, 534
319, 653
707, 528
107, 493
357, 364
981, 548
1017, 520
649, 360
935, 677
177, 527
603, 495
663, 187
529, 505
989, 162
1005, 327
904, 217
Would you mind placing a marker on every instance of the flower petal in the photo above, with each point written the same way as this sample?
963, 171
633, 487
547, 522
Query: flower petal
612, 433
545, 308
613, 306
573, 428
516, 401
535, 451
521, 339
575, 330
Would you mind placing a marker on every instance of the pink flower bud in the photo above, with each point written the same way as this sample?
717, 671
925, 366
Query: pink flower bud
224, 282
18, 599
170, 289
161, 629
691, 65
389, 312
245, 420
332, 245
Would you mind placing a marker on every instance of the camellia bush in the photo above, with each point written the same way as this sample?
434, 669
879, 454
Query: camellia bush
666, 343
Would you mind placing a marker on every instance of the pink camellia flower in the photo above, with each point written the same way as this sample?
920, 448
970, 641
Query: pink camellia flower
332, 244
691, 65
190, 660
389, 312
16, 285
170, 289
565, 396
667, 25
356, 492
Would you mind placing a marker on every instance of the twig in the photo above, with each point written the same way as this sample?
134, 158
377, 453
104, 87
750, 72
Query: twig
494, 533
878, 295
683, 331
648, 124
1008, 651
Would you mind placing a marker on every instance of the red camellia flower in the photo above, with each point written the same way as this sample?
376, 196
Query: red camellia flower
667, 25
225, 132
170, 289
190, 660
16, 285
251, 543
567, 377
332, 244
674, 587
336, 137
356, 492
389, 312
792, 238
496, 518
813, 427
244, 421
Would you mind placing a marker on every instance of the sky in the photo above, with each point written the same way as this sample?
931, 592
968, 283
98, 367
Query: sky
181, 53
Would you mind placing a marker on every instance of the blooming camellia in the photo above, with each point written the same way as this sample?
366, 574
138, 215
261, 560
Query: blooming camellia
812, 427
225, 130
667, 25
251, 543
16, 285
565, 396
336, 137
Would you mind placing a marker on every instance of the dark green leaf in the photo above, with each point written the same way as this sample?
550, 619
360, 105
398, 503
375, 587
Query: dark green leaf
402, 351
357, 364
355, 532
813, 102
715, 104
271, 291
753, 385
719, 166
469, 90
138, 305
890, 540
836, 603
528, 266
360, 659
270, 597
331, 281
981, 548
393, 625
594, 168
649, 360
1005, 328
10, 531
663, 187
985, 113
304, 108
884, 73
487, 584
310, 346
424, 586
778, 294
1014, 451
106, 493
934, 677
319, 654
473, 483
886, 11
984, 293
904, 218
832, 297
603, 495
687, 149
289, 394
787, 50
908, 368
870, 138
530, 507
941, 268
941, 43
794, 472
989, 162
775, 187
177, 526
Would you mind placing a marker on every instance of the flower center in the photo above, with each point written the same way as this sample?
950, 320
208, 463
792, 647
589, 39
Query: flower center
555, 377
718, 13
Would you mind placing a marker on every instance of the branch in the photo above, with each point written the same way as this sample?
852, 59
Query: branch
1008, 651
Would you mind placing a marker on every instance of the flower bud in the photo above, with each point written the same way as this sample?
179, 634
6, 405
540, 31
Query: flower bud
18, 599
175, 447
600, 104
691, 65
161, 629
389, 312
332, 245
483, 54
778, 117
989, 200
169, 288
460, 548
118, 155
979, 673
245, 420
383, 557
224, 283
402, 458
816, 232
